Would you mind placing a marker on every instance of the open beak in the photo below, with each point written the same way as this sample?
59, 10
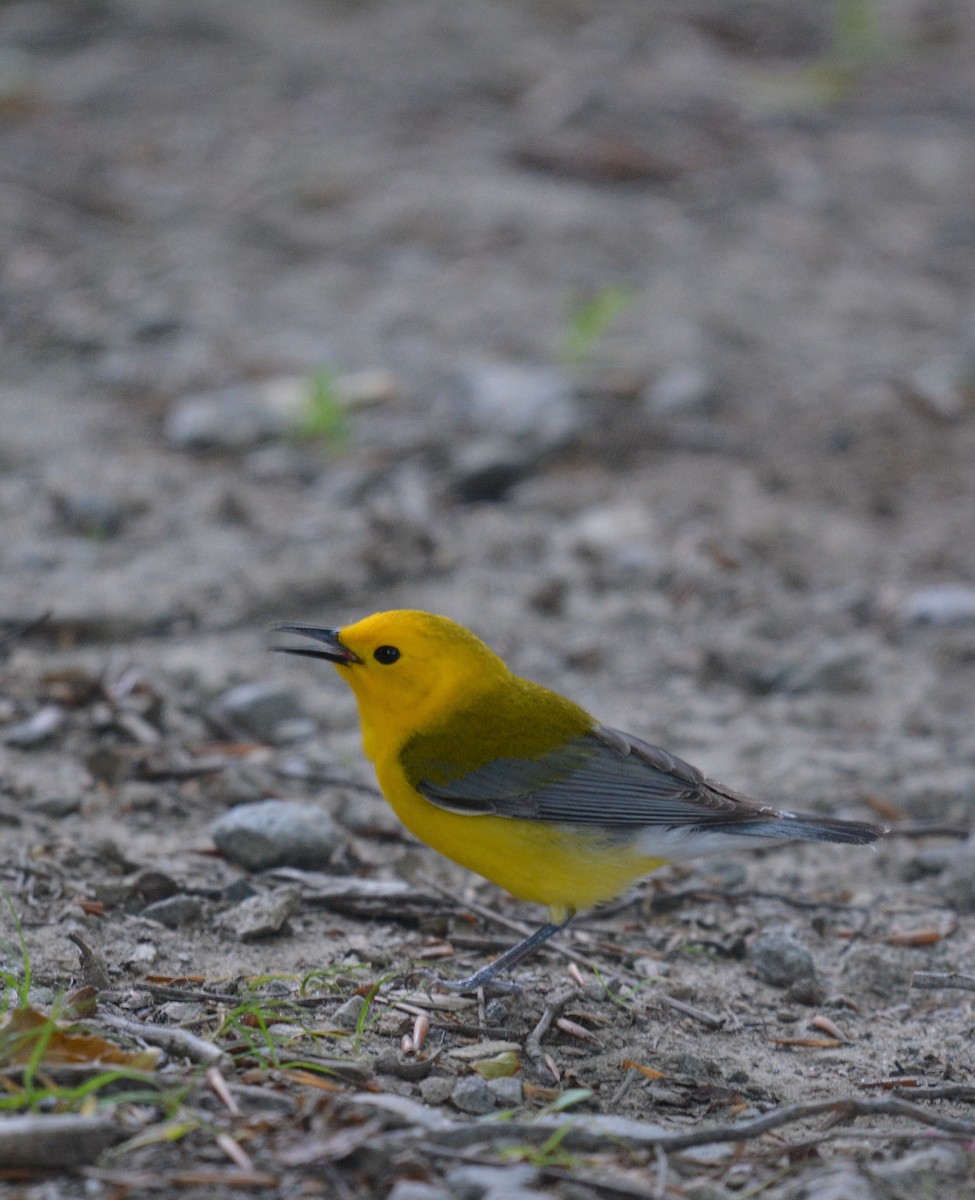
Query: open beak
331, 648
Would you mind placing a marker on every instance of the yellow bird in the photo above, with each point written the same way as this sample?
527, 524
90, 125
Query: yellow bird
523, 786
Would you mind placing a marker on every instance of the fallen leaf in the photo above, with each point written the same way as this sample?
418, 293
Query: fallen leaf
883, 807
175, 980
629, 1065
825, 1025
499, 1067
310, 1079
810, 1043
917, 937
26, 1031
888, 1085
574, 1029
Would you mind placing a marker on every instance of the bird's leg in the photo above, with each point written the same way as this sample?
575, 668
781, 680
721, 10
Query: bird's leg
510, 958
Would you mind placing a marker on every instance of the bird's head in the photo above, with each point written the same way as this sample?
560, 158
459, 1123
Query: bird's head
408, 670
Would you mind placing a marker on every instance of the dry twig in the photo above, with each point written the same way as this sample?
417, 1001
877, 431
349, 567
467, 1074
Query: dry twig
943, 979
171, 1039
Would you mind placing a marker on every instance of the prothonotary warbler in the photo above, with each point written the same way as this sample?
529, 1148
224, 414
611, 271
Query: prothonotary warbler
522, 785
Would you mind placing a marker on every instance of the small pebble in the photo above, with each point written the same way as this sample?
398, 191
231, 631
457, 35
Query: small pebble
415, 1189
436, 1089
487, 469
683, 388
174, 911
243, 783
268, 712
234, 418
496, 1011
57, 807
507, 1092
725, 873
347, 1015
472, 1095
930, 1171
238, 891
781, 960
940, 604
276, 833
263, 916
366, 388
177, 1012
91, 514
143, 954
833, 667
940, 388
36, 730
476, 1181
842, 1183
514, 400
957, 884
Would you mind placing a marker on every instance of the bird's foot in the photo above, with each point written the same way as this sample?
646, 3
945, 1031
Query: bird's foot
485, 978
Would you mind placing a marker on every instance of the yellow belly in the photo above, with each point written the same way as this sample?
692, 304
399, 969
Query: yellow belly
565, 869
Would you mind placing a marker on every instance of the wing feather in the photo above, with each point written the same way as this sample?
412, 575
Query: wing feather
605, 777
613, 780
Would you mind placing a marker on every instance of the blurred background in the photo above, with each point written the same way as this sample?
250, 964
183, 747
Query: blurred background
636, 336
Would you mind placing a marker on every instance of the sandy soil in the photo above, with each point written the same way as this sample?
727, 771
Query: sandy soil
715, 524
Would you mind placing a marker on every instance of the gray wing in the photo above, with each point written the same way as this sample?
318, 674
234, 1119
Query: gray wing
604, 778
613, 780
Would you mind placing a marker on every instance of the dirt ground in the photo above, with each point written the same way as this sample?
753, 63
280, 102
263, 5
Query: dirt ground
736, 517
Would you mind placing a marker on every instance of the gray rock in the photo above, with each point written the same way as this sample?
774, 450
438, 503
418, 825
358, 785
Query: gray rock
414, 1189
57, 806
238, 891
957, 884
512, 400
472, 1095
36, 730
243, 783
939, 387
841, 1183
267, 712
236, 418
348, 1015
276, 833
683, 388
436, 1089
179, 1012
263, 916
781, 959
706, 1189
941, 604
487, 469
833, 667
174, 911
930, 1171
509, 1193
507, 1092
475, 1181
932, 860
725, 873
91, 514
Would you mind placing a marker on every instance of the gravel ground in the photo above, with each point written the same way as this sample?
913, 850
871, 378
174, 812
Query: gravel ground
638, 338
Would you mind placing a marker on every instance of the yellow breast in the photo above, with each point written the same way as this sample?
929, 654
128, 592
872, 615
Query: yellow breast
562, 868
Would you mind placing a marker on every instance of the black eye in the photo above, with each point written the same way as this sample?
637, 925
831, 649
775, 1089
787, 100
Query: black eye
386, 655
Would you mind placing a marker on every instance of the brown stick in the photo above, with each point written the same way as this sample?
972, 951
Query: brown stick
943, 979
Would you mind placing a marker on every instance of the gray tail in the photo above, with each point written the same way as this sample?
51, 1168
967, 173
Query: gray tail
800, 827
